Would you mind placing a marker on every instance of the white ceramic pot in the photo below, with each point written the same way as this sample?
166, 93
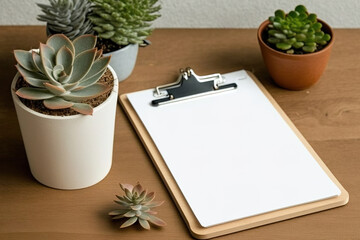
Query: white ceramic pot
70, 152
123, 60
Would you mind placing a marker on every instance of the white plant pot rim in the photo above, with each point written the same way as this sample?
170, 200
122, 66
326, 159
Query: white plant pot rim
23, 106
121, 49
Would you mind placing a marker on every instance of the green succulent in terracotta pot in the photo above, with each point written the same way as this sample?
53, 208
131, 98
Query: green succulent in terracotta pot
295, 47
297, 31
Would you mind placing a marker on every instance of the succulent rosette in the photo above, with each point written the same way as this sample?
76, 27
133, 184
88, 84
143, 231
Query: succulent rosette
136, 205
296, 31
124, 21
63, 73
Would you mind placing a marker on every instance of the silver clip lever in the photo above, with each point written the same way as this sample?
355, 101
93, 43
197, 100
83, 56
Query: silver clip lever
189, 85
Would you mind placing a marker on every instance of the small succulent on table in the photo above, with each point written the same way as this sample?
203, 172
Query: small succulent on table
67, 16
63, 73
296, 32
136, 205
124, 21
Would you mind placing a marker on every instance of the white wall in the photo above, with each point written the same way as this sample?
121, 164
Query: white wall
209, 13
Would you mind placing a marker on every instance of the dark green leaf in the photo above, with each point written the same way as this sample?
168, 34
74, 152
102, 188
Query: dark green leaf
327, 37
293, 14
280, 13
312, 17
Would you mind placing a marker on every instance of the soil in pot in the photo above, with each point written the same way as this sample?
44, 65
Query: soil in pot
38, 106
107, 45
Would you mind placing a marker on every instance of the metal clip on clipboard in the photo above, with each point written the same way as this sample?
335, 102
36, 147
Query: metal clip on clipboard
190, 85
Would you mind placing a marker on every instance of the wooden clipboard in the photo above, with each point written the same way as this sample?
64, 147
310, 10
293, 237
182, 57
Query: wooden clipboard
195, 228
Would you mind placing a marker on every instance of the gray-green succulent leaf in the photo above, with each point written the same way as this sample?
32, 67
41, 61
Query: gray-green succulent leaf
67, 16
63, 73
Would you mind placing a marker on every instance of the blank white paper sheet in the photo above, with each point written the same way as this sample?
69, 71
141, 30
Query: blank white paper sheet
232, 154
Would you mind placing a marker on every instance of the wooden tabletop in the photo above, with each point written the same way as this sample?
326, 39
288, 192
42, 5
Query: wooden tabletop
328, 115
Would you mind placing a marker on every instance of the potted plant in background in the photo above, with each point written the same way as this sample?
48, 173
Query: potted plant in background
68, 17
295, 47
121, 26
65, 96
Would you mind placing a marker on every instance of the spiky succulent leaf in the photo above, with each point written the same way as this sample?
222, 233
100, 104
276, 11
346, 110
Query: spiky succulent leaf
117, 212
149, 197
126, 21
67, 17
154, 204
137, 189
123, 204
126, 186
157, 221
61, 78
145, 224
136, 205
130, 214
294, 31
129, 222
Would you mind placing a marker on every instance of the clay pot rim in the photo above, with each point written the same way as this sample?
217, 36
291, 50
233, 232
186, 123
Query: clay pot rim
328, 46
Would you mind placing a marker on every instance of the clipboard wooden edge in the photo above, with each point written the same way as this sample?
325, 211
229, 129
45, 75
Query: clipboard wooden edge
194, 226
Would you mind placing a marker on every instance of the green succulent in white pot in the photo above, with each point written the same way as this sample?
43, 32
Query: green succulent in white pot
65, 96
121, 26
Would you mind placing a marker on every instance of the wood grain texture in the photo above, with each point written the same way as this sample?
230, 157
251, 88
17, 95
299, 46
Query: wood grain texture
328, 115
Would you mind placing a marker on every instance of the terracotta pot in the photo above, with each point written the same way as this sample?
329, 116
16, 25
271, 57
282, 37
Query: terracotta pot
295, 71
